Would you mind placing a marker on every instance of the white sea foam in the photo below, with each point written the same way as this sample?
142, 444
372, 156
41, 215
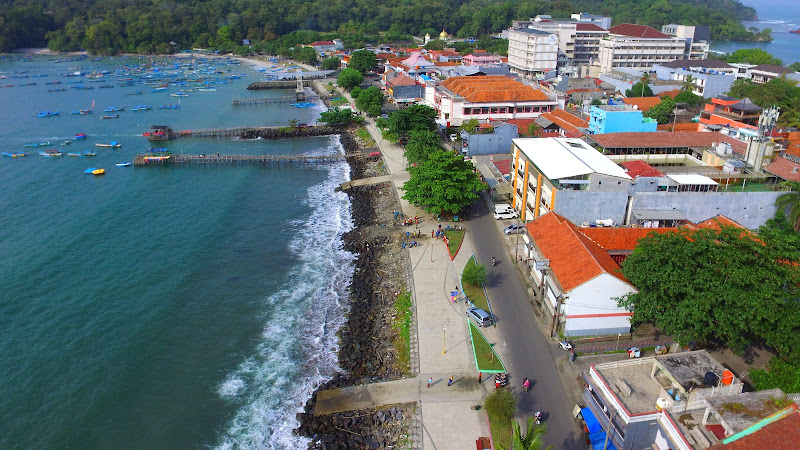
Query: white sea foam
298, 347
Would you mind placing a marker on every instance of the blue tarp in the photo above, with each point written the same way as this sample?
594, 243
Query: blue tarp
599, 439
591, 421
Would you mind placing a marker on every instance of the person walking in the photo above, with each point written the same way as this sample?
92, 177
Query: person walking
480, 375
430, 380
450, 381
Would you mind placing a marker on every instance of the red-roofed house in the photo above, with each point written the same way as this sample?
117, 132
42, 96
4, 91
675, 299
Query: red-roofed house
564, 123
459, 99
643, 103
780, 431
582, 279
639, 168
638, 47
324, 46
402, 88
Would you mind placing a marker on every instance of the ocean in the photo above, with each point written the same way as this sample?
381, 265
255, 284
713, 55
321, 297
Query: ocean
161, 307
781, 16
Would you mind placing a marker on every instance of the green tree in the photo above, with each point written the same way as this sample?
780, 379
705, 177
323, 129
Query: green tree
349, 78
331, 63
778, 374
639, 90
474, 274
501, 404
415, 117
470, 126
726, 286
791, 202
421, 145
444, 182
435, 44
531, 440
370, 100
794, 66
688, 84
752, 56
337, 117
363, 61
662, 112
688, 97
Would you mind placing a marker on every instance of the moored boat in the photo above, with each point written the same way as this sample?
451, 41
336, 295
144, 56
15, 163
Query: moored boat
94, 171
797, 31
50, 153
110, 116
66, 142
37, 144
112, 144
114, 109
82, 154
15, 154
169, 107
80, 136
123, 164
48, 113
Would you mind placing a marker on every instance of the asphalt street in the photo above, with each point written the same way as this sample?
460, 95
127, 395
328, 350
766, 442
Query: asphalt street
530, 352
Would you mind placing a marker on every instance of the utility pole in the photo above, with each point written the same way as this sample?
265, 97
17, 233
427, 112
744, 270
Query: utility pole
555, 316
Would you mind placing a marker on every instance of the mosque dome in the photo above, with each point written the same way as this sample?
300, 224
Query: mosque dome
443, 35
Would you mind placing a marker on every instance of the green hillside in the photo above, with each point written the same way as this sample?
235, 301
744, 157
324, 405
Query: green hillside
150, 26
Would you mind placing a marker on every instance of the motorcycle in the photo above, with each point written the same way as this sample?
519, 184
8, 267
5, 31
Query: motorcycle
565, 345
500, 380
494, 261
526, 384
538, 416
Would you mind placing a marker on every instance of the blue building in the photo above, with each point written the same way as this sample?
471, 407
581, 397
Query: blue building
489, 139
619, 119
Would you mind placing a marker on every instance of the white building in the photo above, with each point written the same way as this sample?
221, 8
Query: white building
697, 39
637, 46
600, 21
459, 99
532, 52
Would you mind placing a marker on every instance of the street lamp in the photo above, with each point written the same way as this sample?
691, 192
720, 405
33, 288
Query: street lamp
444, 339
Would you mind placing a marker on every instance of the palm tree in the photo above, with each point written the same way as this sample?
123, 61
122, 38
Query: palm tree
688, 84
790, 112
532, 439
790, 201
645, 81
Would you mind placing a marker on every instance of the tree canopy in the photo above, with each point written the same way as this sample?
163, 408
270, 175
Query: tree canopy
363, 61
729, 287
753, 56
349, 78
662, 112
780, 92
370, 100
639, 89
442, 183
421, 145
415, 117
337, 117
331, 63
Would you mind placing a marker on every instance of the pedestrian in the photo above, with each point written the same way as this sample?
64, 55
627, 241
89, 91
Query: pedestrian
430, 380
431, 234
395, 214
480, 375
450, 381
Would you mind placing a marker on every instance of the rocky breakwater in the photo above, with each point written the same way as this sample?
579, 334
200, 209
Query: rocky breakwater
366, 349
287, 132
287, 84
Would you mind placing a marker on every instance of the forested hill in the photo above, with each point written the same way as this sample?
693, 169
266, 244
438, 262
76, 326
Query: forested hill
147, 26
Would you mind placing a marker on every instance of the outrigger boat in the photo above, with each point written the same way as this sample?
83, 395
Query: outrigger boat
110, 116
48, 113
15, 154
82, 154
50, 153
114, 109
141, 108
123, 164
169, 107
37, 144
112, 144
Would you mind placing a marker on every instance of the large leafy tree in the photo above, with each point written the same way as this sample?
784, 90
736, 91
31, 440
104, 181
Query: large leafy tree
370, 100
337, 117
639, 89
790, 202
415, 117
421, 145
363, 61
726, 286
662, 112
349, 78
444, 182
753, 56
531, 440
331, 63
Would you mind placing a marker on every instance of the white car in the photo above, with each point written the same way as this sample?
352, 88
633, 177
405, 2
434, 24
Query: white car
453, 137
506, 215
514, 228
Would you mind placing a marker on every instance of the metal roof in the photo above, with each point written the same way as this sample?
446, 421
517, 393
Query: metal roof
559, 158
651, 214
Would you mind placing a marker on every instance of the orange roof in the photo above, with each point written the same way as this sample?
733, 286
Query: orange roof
717, 222
619, 238
672, 94
574, 258
659, 139
490, 89
572, 119
693, 126
639, 168
793, 137
793, 150
782, 433
402, 80
784, 168
643, 103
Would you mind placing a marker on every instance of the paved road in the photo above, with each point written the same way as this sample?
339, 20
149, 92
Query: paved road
531, 354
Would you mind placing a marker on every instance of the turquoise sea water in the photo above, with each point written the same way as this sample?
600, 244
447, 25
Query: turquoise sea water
161, 307
781, 16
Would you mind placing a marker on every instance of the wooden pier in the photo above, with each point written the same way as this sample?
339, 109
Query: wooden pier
258, 160
264, 101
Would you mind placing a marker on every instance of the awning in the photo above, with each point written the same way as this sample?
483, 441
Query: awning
591, 421
501, 187
667, 214
597, 436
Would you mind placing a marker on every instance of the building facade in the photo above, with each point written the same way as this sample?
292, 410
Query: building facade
532, 52
619, 118
637, 46
697, 39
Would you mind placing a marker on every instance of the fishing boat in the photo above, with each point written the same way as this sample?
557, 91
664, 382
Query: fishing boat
57, 90
135, 93
94, 171
37, 144
50, 153
179, 94
159, 89
797, 31
15, 154
141, 108
48, 113
303, 104
114, 109
82, 154
160, 150
65, 142
207, 89
80, 136
169, 107
112, 144
123, 164
110, 116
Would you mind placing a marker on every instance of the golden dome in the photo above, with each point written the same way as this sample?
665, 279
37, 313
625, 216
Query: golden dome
443, 34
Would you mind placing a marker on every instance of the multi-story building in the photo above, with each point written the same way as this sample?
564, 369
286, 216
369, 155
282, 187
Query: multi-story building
578, 41
600, 21
459, 99
532, 52
619, 118
711, 77
765, 73
637, 46
697, 39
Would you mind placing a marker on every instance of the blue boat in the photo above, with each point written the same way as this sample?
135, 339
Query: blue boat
169, 107
48, 113
114, 109
15, 154
38, 144
123, 164
141, 108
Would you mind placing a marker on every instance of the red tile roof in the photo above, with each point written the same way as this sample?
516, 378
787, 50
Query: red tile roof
587, 27
522, 124
717, 222
503, 166
639, 168
643, 103
491, 89
793, 150
784, 168
693, 126
782, 434
574, 258
672, 94
660, 139
320, 43
643, 31
619, 238
566, 121
402, 80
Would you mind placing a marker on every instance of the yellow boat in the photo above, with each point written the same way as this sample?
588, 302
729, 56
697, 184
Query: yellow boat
98, 171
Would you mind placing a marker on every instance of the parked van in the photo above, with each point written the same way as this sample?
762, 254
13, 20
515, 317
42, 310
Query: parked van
506, 215
503, 207
481, 317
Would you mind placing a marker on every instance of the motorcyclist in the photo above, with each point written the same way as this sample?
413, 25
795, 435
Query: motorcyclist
494, 261
526, 384
538, 415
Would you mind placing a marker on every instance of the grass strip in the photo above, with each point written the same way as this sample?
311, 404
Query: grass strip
401, 325
486, 359
475, 294
454, 240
